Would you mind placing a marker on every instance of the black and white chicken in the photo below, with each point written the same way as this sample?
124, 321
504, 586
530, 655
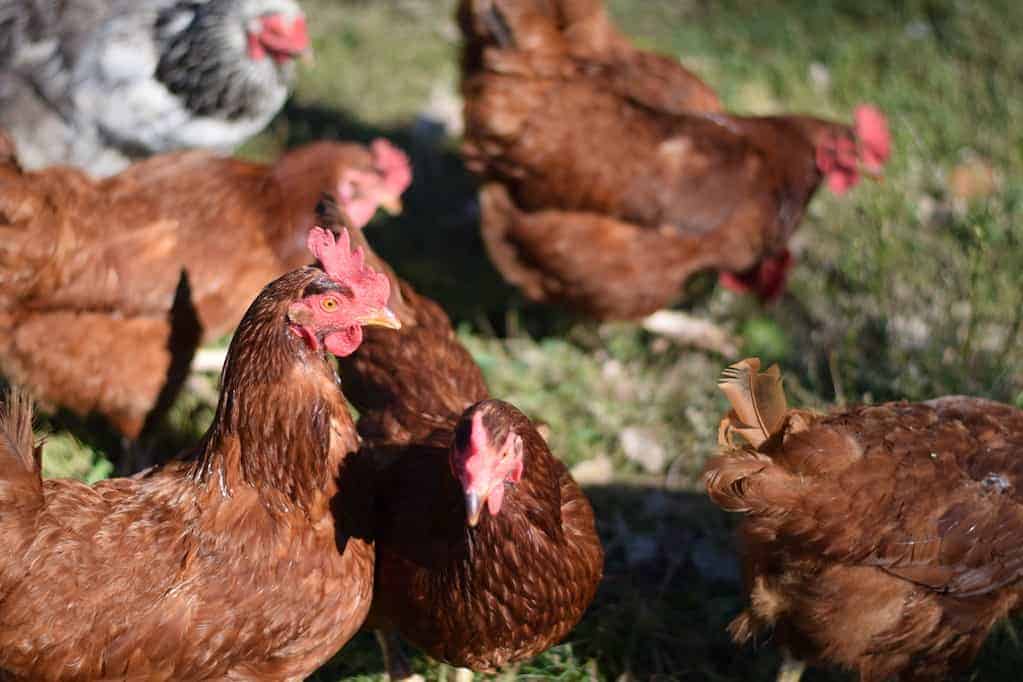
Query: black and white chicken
98, 83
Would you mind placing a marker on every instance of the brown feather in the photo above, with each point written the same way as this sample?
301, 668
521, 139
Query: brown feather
757, 398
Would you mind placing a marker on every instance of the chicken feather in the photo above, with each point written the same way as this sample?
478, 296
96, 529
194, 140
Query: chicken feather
757, 398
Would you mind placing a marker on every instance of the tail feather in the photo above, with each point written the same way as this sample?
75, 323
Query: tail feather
741, 478
20, 467
747, 481
758, 401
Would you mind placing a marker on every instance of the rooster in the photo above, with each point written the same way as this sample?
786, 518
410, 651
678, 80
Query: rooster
883, 539
598, 197
249, 560
98, 83
108, 286
476, 521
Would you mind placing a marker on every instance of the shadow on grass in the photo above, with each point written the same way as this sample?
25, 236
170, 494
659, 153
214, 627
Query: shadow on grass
671, 586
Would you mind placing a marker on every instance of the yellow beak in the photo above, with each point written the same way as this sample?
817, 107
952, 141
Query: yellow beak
392, 205
473, 507
384, 317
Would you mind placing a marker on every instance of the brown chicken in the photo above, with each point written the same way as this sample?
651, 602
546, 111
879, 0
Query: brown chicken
599, 198
459, 583
251, 560
883, 539
148, 264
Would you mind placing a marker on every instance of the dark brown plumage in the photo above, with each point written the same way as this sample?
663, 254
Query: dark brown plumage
883, 539
599, 196
500, 592
251, 560
144, 266
411, 384
479, 597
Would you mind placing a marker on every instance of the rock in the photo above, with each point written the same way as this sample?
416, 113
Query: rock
643, 447
596, 471
820, 77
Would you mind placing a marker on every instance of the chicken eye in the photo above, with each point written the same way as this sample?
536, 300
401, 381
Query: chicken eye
329, 304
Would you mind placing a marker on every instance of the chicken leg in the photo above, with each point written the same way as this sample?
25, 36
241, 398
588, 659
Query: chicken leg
397, 665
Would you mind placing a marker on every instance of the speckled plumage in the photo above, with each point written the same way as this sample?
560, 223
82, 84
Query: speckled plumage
250, 561
883, 539
97, 83
501, 592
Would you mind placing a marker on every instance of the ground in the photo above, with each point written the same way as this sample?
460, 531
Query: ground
906, 289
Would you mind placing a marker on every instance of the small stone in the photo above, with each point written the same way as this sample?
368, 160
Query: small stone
820, 77
596, 471
642, 446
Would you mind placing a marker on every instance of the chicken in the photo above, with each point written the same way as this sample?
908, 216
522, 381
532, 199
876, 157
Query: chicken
884, 538
251, 559
144, 266
98, 83
477, 523
595, 197
487, 553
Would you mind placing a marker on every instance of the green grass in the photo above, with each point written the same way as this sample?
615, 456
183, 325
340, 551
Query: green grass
903, 290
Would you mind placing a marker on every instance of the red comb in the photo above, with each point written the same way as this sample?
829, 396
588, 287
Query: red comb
336, 257
478, 438
348, 267
393, 163
875, 140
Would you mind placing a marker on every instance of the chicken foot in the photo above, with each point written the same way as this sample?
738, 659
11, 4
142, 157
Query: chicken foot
395, 661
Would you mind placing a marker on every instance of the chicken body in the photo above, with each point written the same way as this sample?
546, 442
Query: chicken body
97, 83
479, 597
145, 266
500, 592
600, 196
882, 539
248, 562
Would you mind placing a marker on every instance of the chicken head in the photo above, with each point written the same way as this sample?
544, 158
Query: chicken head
486, 454
361, 191
840, 158
275, 28
333, 316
